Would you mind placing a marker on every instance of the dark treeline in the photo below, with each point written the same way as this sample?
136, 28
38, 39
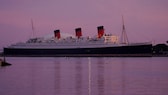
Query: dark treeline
160, 50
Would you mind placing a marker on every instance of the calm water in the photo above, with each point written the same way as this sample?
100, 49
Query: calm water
85, 76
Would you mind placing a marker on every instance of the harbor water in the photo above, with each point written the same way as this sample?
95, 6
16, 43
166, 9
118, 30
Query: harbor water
85, 76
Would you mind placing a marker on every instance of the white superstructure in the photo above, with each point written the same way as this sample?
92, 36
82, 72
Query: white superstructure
69, 42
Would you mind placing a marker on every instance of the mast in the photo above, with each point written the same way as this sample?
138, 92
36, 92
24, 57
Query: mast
33, 29
124, 38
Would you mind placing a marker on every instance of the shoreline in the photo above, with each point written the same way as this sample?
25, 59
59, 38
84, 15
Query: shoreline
114, 55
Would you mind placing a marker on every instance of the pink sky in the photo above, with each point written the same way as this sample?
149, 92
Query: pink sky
145, 20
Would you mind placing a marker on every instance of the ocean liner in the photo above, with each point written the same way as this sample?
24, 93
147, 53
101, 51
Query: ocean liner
102, 45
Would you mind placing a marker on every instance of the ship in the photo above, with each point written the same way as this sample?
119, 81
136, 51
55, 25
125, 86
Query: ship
101, 45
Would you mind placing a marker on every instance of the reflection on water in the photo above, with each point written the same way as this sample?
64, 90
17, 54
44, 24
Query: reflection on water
85, 76
57, 77
78, 77
100, 77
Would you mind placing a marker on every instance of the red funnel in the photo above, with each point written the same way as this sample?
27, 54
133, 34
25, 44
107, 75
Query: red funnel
57, 34
100, 31
78, 32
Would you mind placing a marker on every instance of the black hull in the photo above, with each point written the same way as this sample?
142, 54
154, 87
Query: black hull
120, 51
